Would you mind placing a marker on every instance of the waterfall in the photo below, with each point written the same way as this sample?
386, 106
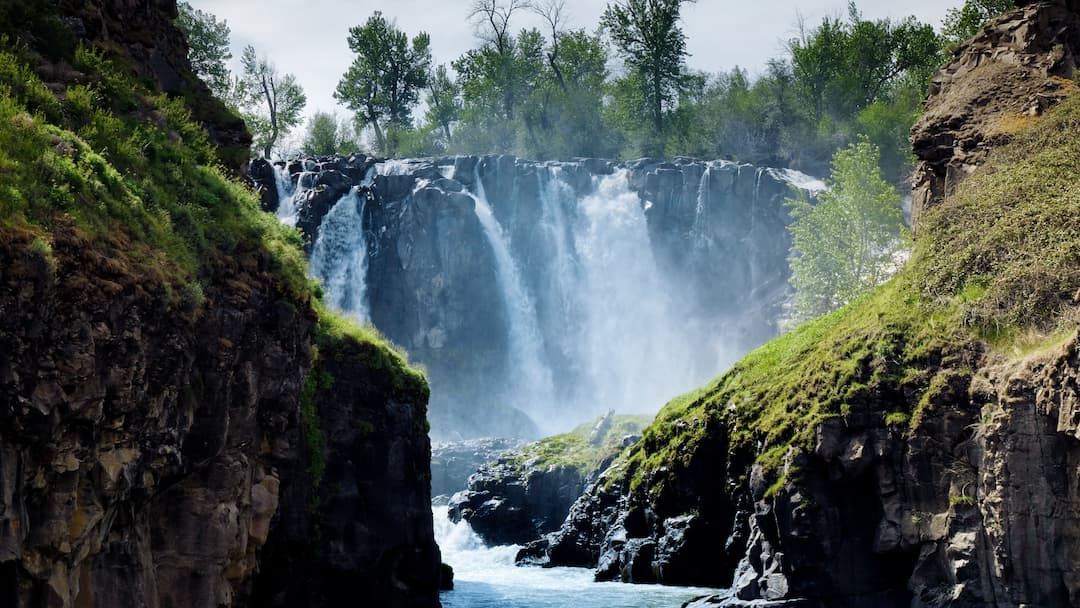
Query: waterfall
286, 190
699, 231
339, 257
530, 381
633, 349
596, 286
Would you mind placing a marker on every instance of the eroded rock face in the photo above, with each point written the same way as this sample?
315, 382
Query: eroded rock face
1017, 67
361, 518
510, 503
141, 449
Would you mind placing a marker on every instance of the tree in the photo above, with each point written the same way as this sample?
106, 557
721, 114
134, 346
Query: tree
964, 22
443, 101
208, 44
497, 80
386, 76
327, 135
273, 101
851, 240
648, 35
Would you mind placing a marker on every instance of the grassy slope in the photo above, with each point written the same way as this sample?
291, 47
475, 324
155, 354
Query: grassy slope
996, 270
104, 163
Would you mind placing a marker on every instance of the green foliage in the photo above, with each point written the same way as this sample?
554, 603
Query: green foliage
327, 135
386, 76
850, 241
124, 164
208, 41
336, 334
962, 23
960, 500
1006, 241
897, 419
649, 38
443, 103
273, 102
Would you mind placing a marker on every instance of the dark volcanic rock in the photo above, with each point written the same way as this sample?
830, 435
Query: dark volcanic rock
506, 505
453, 463
366, 520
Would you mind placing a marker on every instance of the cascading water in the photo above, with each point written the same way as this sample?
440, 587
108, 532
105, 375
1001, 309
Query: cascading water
633, 349
531, 390
339, 257
485, 577
286, 211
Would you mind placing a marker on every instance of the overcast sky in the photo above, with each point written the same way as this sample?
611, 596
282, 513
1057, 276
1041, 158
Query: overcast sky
307, 37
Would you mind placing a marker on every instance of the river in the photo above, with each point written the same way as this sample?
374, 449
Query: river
485, 577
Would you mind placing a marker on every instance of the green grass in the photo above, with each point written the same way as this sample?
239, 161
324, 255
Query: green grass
117, 162
995, 272
574, 450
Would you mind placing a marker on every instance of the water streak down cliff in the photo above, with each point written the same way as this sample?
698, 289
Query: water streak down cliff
541, 294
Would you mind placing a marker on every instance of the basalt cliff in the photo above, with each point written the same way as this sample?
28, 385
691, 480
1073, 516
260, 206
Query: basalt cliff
920, 446
182, 422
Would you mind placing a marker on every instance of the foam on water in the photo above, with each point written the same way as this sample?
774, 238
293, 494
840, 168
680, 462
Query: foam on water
485, 577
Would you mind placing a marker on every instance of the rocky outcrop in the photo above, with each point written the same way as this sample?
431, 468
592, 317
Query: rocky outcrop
712, 259
141, 448
453, 463
356, 512
527, 493
163, 430
506, 505
1017, 67
156, 459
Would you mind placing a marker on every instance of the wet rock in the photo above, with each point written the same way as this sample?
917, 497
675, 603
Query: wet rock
452, 463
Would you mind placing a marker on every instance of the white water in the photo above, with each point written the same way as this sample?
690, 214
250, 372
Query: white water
531, 385
286, 211
339, 257
634, 351
485, 577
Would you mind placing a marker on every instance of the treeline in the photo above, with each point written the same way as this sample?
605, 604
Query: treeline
620, 88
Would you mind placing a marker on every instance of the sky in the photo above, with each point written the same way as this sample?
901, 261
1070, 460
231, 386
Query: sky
308, 38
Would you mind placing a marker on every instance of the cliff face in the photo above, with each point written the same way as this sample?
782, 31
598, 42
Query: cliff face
140, 448
539, 291
918, 447
1012, 71
175, 404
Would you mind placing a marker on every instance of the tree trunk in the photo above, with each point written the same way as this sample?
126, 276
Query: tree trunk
380, 137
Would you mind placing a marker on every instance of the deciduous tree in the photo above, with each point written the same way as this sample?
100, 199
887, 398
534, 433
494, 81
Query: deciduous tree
648, 35
851, 240
386, 77
273, 101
